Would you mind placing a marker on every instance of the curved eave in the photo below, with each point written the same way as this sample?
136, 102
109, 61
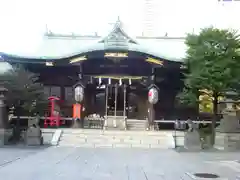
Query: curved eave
130, 47
24, 59
89, 49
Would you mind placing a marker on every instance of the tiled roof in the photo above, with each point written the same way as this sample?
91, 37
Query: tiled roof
4, 67
62, 46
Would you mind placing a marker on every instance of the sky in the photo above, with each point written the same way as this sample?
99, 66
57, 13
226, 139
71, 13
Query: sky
23, 22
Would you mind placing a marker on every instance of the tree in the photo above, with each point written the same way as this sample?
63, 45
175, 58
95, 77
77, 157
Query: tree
25, 94
212, 58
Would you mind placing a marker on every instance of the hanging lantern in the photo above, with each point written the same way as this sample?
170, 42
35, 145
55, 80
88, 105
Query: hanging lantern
78, 93
153, 95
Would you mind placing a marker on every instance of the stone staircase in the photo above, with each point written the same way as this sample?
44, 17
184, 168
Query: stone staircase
115, 139
115, 122
136, 125
118, 122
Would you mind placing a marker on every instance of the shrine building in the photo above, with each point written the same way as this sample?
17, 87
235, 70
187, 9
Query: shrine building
116, 70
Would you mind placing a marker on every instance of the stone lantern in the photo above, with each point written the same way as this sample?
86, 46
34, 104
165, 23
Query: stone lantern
229, 111
228, 136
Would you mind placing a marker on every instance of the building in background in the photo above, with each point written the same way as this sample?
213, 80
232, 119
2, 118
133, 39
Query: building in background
151, 8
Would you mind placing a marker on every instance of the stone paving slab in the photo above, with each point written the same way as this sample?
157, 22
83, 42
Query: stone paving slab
10, 154
106, 163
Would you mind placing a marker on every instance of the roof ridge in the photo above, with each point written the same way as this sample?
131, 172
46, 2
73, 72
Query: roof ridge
116, 32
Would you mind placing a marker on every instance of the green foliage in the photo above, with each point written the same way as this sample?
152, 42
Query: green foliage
25, 94
188, 97
213, 65
213, 61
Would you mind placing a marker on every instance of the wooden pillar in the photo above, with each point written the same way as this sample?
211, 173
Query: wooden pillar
62, 92
151, 106
115, 105
151, 116
3, 110
89, 99
142, 105
4, 133
80, 123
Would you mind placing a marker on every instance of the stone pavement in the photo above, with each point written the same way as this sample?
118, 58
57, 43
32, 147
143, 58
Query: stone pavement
113, 164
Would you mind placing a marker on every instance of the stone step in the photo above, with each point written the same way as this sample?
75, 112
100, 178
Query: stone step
144, 139
115, 139
136, 125
116, 117
180, 141
112, 136
135, 129
144, 146
113, 132
135, 122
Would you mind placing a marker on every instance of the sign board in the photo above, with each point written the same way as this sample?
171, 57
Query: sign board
154, 61
116, 55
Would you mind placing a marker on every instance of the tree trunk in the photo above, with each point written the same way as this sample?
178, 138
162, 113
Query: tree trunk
215, 117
